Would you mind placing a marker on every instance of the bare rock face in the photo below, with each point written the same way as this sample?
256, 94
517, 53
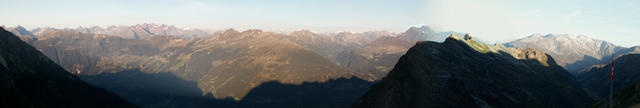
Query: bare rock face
464, 73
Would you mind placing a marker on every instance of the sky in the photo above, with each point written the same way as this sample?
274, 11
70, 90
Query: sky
315, 15
491, 20
616, 21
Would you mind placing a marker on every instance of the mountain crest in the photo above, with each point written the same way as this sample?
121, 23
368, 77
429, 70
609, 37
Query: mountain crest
303, 32
468, 40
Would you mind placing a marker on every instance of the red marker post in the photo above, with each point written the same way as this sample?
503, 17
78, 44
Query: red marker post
611, 84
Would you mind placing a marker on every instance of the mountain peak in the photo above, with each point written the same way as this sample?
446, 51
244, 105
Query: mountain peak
21, 32
302, 32
148, 25
423, 33
230, 31
423, 29
20, 27
252, 31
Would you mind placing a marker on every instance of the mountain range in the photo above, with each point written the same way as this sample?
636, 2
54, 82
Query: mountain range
229, 64
221, 65
129, 32
573, 52
163, 66
226, 64
30, 79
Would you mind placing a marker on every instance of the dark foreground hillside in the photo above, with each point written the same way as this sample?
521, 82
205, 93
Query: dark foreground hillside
626, 81
629, 96
596, 78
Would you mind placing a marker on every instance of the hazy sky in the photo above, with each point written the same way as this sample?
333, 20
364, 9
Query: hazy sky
493, 20
616, 21
316, 15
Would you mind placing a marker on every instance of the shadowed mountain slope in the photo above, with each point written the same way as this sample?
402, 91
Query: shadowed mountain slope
596, 78
165, 90
376, 58
627, 97
227, 65
30, 79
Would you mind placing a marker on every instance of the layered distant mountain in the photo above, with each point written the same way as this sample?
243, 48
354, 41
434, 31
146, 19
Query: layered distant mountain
359, 39
241, 60
128, 32
375, 59
461, 72
596, 78
145, 30
22, 33
30, 79
415, 34
573, 52
227, 65
341, 48
323, 45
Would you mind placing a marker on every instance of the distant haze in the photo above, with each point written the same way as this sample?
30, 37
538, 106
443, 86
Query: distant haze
506, 20
274, 15
490, 20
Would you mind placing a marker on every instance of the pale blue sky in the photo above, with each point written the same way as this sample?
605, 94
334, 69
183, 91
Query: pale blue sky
316, 15
492, 20
615, 21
